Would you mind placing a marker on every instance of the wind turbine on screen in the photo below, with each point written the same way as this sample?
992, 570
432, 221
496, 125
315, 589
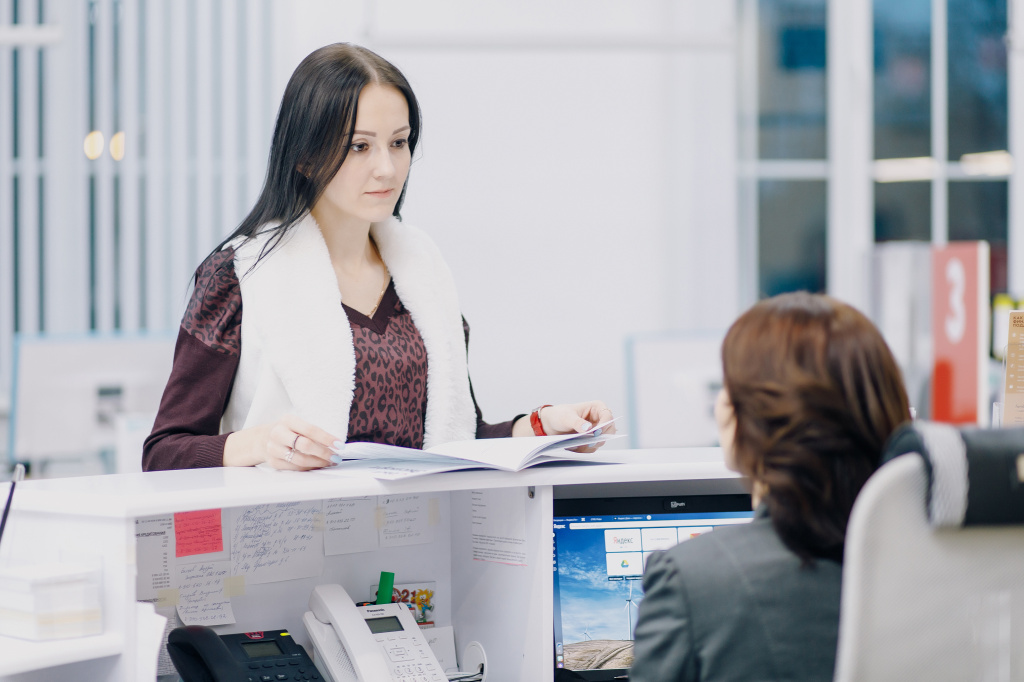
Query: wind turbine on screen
630, 606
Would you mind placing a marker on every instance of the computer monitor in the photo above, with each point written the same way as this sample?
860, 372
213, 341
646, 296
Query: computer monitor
68, 390
601, 545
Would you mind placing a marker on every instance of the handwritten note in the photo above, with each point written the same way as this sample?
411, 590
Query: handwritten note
271, 542
198, 532
154, 545
350, 525
406, 519
201, 599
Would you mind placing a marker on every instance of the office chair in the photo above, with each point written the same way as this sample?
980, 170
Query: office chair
933, 576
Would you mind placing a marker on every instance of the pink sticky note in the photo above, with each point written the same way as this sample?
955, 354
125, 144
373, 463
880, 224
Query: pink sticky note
197, 532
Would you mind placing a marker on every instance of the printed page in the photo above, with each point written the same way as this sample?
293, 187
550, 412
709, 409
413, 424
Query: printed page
1013, 388
154, 552
499, 525
406, 519
164, 665
509, 454
271, 542
150, 639
512, 454
201, 596
350, 525
394, 469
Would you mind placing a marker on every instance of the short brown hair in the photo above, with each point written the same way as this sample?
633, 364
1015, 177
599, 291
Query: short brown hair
816, 393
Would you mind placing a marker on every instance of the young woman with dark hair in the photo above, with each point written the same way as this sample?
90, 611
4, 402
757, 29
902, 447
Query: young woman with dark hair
811, 393
351, 328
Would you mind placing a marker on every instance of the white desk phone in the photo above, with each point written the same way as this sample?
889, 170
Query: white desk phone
367, 643
351, 644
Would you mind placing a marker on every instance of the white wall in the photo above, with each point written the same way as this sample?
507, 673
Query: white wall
577, 168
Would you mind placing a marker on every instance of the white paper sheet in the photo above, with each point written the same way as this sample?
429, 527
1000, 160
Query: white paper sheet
442, 642
393, 469
164, 665
201, 599
499, 525
154, 555
350, 525
150, 628
271, 542
406, 519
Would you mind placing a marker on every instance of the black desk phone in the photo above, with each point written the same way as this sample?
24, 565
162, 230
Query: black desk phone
201, 655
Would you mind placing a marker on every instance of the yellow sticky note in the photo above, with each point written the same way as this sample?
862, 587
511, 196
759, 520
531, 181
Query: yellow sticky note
234, 586
167, 597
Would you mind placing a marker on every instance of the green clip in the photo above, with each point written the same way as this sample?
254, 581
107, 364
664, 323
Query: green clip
387, 585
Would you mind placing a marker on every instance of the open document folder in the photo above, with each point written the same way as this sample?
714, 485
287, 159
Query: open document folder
506, 454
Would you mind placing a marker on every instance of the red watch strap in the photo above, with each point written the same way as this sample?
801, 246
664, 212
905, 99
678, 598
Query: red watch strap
538, 428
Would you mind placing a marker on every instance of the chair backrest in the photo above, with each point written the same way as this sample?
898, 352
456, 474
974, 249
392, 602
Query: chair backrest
68, 390
921, 602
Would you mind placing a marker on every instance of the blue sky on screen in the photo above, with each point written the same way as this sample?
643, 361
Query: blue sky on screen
589, 600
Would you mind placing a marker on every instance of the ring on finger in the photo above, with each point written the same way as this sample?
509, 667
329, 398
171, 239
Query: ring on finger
288, 457
295, 442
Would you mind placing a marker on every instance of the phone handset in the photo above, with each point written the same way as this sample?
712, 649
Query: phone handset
331, 604
199, 654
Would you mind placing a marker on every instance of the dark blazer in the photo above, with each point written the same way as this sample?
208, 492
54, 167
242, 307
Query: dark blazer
735, 604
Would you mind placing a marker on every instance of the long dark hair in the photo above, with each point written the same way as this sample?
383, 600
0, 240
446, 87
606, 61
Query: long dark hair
313, 133
816, 392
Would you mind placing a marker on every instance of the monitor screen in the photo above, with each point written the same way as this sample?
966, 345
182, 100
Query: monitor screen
601, 545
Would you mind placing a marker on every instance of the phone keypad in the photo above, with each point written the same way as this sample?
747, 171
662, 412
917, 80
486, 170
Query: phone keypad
408, 659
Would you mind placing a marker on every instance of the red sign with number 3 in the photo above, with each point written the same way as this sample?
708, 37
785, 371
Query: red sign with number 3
960, 329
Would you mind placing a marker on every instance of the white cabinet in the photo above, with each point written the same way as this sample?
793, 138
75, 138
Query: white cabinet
506, 608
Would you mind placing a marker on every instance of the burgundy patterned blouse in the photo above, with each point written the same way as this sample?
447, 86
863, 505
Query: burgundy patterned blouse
390, 400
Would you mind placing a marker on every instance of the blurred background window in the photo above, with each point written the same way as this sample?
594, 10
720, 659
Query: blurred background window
791, 75
942, 149
785, 171
792, 236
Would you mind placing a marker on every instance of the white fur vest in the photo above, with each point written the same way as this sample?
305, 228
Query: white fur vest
297, 352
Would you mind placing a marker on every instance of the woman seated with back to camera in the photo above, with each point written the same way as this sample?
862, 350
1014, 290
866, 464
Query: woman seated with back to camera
811, 393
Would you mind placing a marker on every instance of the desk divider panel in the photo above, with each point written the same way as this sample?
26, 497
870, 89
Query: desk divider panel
261, 604
505, 607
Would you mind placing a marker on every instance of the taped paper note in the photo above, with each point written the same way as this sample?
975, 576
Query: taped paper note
234, 586
154, 549
271, 542
406, 520
201, 597
198, 532
351, 525
499, 525
167, 598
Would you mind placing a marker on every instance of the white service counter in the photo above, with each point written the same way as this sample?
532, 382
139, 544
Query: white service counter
508, 609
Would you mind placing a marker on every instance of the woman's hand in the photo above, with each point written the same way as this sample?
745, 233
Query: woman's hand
561, 419
289, 443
